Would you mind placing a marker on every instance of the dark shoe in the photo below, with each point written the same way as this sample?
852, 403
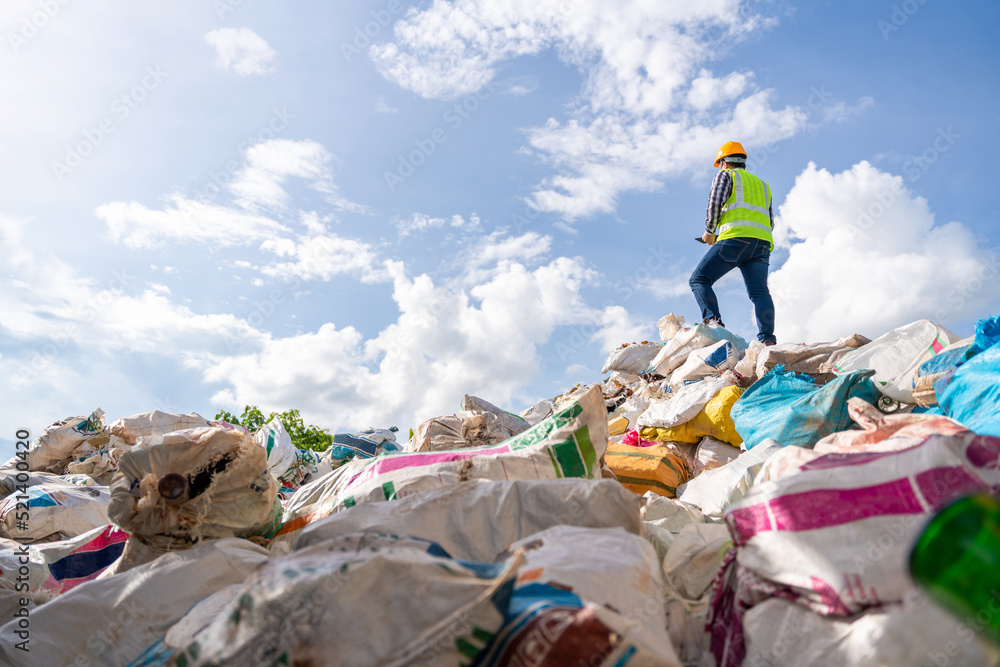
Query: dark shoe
769, 343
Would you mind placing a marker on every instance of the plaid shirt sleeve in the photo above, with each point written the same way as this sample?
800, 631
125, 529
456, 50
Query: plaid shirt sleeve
722, 188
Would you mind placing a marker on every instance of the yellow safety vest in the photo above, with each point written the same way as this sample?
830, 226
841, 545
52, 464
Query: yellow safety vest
745, 213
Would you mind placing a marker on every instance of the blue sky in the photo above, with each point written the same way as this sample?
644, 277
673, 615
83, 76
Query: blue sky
209, 204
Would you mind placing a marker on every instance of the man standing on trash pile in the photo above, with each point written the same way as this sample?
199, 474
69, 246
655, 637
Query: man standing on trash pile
738, 229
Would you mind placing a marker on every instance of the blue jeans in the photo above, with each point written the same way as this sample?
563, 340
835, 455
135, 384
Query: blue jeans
751, 257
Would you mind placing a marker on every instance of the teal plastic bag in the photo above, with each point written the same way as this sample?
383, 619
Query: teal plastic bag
794, 410
972, 397
987, 335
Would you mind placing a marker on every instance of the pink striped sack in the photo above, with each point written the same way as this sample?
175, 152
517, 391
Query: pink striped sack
880, 433
55, 567
570, 443
81, 559
835, 536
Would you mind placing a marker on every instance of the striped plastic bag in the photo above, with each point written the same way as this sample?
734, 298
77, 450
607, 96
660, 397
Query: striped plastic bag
657, 468
860, 511
281, 453
54, 509
896, 355
58, 567
568, 444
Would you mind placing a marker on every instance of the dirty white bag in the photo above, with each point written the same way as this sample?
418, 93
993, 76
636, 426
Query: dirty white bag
714, 490
54, 508
663, 519
916, 632
111, 621
309, 465
379, 435
201, 483
54, 446
669, 325
54, 568
9, 480
570, 443
543, 409
631, 358
367, 600
896, 355
712, 453
689, 569
199, 617
747, 365
458, 431
862, 512
676, 351
152, 424
684, 406
513, 424
281, 453
98, 466
695, 558
709, 361
34, 571
814, 359
477, 521
615, 578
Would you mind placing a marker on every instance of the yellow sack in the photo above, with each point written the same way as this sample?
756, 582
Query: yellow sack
617, 425
656, 468
713, 421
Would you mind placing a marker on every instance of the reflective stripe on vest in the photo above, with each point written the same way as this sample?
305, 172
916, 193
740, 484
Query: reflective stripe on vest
745, 213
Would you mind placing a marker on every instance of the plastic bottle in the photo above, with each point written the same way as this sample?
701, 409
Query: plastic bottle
957, 561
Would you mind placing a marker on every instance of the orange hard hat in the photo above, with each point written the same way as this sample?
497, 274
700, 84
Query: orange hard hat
729, 148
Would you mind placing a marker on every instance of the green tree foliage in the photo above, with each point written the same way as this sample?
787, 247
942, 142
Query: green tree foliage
303, 437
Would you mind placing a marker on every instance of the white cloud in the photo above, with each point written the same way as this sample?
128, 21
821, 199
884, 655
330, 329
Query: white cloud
314, 372
243, 51
866, 255
649, 108
520, 86
419, 222
258, 184
497, 247
483, 258
616, 152
447, 337
707, 91
662, 288
618, 326
382, 105
447, 340
60, 312
321, 254
184, 220
840, 111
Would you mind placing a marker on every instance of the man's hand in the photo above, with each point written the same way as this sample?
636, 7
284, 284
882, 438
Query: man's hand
708, 238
